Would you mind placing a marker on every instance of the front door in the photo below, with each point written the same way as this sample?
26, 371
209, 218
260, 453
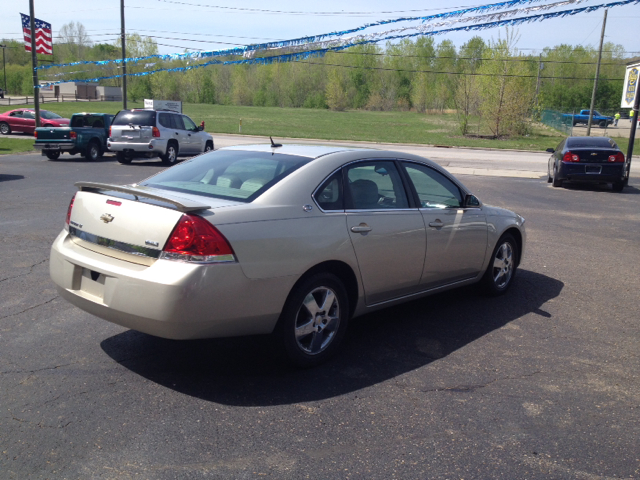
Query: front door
456, 236
388, 237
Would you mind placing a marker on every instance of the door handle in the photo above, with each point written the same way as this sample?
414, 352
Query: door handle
177, 133
436, 224
362, 228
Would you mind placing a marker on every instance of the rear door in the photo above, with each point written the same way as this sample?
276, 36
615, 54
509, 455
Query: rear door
456, 236
387, 235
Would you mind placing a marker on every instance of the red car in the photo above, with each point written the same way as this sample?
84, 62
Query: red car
24, 120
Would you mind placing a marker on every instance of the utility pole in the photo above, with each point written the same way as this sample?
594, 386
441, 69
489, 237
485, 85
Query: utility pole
124, 56
4, 68
34, 63
538, 81
632, 133
595, 83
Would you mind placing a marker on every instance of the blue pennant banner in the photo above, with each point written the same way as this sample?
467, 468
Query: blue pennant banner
298, 56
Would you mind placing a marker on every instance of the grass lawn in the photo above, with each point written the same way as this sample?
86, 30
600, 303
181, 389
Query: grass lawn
16, 145
385, 127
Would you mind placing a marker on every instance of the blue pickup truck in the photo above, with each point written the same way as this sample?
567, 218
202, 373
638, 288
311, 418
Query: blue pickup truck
86, 134
583, 117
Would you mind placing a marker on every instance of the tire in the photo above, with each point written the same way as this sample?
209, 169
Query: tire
556, 182
123, 158
5, 129
602, 124
549, 177
314, 320
208, 147
171, 155
93, 151
53, 155
502, 266
618, 186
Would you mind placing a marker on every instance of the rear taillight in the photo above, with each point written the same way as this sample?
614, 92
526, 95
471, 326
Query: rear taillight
617, 158
195, 240
570, 157
73, 134
69, 209
155, 132
35, 133
109, 132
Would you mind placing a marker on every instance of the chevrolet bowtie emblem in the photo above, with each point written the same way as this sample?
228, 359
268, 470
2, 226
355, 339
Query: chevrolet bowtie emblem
106, 218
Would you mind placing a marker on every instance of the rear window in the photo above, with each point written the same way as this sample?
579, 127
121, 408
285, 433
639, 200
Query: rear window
145, 118
591, 142
232, 175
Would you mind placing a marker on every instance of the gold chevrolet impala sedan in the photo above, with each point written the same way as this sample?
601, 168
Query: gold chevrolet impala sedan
293, 240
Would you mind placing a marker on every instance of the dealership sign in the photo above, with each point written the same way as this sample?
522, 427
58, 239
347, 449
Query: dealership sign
630, 86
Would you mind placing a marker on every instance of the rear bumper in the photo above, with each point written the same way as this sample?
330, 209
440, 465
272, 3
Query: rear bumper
167, 299
156, 145
600, 173
55, 147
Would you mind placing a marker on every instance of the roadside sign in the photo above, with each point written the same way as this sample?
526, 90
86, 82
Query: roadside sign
174, 106
630, 88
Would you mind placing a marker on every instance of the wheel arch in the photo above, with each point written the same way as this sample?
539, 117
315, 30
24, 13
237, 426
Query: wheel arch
341, 270
517, 236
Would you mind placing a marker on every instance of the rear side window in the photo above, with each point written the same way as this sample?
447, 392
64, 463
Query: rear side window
145, 118
233, 175
329, 196
164, 119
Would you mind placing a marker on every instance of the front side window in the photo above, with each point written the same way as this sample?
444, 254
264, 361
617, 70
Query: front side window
375, 185
233, 175
188, 124
433, 188
28, 114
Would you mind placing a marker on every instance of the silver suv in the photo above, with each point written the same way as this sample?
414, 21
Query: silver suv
151, 133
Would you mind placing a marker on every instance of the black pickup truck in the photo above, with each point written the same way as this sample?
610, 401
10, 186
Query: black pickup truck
87, 134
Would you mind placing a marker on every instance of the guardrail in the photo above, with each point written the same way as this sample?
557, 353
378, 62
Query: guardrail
65, 97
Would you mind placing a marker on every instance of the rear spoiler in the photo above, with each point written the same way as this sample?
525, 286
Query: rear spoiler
181, 204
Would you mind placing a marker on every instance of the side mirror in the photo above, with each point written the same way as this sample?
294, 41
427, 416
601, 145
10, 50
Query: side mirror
200, 128
551, 150
471, 201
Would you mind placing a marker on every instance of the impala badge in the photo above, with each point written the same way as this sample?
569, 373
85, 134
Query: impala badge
106, 218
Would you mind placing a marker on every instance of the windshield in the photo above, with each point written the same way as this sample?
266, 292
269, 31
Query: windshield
49, 115
145, 118
233, 175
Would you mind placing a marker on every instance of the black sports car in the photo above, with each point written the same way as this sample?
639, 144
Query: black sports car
587, 159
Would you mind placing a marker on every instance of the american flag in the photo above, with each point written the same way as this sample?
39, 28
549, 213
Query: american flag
44, 40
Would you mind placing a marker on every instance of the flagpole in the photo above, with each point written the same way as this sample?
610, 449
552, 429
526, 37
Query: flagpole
34, 62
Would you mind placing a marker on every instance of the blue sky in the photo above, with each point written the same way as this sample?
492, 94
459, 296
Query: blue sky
220, 24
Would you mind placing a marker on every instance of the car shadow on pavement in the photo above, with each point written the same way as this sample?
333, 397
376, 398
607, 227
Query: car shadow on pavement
7, 178
249, 371
596, 187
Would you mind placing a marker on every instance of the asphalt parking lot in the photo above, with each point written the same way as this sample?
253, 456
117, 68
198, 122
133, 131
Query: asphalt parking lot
540, 383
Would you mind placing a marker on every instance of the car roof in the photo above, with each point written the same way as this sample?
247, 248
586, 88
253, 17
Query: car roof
310, 151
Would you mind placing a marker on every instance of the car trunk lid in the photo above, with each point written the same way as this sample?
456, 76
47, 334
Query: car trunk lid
128, 222
594, 155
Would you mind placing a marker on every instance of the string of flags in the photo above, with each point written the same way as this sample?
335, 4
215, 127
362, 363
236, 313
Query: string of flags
320, 45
